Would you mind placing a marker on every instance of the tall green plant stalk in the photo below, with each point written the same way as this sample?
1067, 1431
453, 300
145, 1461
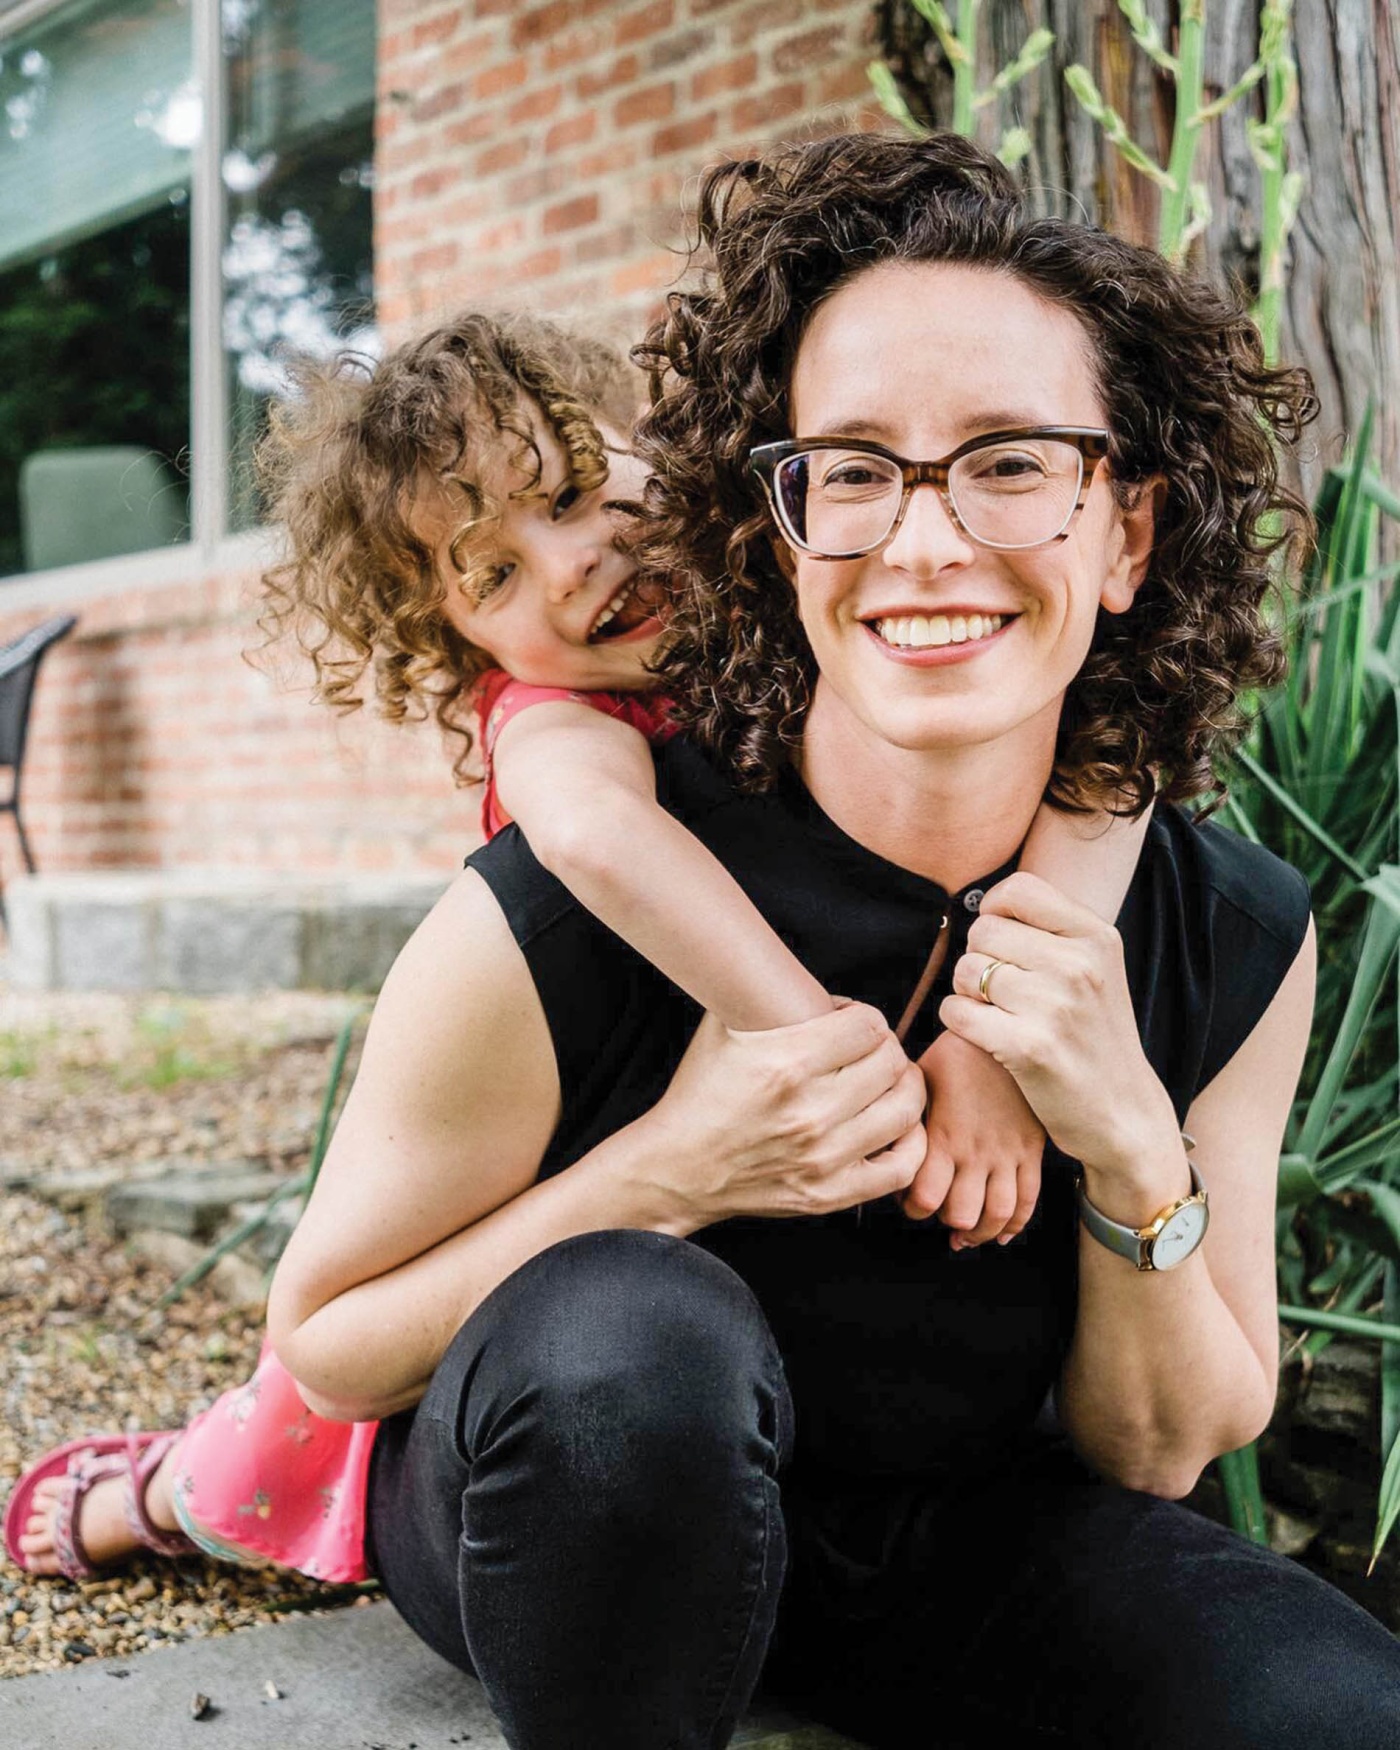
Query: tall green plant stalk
959, 44
1175, 212
961, 49
1185, 205
1280, 188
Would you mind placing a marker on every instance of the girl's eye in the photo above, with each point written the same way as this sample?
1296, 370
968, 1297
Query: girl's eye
487, 582
565, 501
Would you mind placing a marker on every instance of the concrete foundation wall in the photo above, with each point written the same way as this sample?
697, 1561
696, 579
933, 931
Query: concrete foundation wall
209, 931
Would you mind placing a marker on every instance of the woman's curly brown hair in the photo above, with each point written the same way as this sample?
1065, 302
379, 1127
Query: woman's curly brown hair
350, 454
1186, 392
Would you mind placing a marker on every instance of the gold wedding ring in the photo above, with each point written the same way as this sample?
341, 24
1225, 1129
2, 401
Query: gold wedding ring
984, 982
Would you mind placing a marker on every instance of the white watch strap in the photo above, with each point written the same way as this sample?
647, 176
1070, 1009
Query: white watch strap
1116, 1235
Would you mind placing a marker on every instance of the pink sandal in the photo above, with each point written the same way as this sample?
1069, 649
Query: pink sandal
81, 1463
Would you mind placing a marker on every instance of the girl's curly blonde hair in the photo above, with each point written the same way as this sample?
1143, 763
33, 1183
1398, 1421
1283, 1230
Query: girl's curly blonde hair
354, 449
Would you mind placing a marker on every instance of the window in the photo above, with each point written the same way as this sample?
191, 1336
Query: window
159, 254
297, 173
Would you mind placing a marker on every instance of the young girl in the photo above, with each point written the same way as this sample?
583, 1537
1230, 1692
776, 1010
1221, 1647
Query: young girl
456, 520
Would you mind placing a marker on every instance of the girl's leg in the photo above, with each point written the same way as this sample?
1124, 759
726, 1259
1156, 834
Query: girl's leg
584, 1508
254, 1479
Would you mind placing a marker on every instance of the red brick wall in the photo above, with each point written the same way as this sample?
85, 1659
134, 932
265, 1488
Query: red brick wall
543, 150
526, 152
152, 742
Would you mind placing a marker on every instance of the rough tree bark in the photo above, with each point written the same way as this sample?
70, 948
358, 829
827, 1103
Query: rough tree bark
1342, 304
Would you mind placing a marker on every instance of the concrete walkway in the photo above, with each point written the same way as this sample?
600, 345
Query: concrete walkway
354, 1680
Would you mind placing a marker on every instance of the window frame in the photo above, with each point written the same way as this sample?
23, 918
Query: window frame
210, 548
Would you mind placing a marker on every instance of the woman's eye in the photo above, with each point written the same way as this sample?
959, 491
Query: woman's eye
854, 474
1008, 465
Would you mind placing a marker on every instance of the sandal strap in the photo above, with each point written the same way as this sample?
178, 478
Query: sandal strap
140, 1464
83, 1472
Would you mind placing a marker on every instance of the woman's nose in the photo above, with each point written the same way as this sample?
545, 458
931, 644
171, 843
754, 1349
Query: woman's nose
928, 538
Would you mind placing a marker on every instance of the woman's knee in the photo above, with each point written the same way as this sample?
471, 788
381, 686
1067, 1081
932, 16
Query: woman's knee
614, 1345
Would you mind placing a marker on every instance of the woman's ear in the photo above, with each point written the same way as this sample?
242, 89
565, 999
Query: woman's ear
1137, 531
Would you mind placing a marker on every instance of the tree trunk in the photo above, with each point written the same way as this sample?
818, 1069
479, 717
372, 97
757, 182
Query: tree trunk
1342, 298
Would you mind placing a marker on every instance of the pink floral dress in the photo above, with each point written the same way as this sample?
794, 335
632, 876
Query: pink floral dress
262, 1479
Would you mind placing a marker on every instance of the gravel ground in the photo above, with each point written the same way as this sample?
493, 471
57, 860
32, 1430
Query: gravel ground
89, 1081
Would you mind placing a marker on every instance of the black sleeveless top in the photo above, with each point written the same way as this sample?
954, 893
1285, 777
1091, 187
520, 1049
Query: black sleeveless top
904, 1358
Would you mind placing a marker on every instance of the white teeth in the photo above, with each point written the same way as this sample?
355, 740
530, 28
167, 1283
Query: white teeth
610, 612
920, 632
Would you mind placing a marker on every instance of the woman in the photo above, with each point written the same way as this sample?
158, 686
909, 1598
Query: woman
707, 1404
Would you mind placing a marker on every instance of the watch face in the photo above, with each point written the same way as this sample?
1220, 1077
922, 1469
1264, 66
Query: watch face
1180, 1237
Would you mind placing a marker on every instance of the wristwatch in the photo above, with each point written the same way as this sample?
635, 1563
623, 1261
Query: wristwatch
1168, 1239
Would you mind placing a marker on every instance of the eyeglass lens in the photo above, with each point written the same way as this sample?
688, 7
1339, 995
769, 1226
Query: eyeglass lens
1015, 494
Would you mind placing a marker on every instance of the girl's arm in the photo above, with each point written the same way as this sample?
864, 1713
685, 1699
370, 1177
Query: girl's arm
582, 788
981, 1174
1089, 857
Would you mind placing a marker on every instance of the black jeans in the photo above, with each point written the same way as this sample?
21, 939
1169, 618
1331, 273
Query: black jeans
585, 1511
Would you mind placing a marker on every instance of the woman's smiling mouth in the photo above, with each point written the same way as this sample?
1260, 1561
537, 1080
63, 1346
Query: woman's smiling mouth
932, 640
932, 631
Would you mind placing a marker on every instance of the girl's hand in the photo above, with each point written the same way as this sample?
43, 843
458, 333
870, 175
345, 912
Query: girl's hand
981, 1169
801, 1120
1058, 1015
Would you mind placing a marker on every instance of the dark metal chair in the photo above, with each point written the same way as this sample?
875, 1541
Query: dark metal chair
19, 664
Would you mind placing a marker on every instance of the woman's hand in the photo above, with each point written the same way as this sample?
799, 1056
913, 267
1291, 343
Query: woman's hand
1058, 1015
799, 1120
981, 1169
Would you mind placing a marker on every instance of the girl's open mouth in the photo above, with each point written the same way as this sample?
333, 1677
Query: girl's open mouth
635, 605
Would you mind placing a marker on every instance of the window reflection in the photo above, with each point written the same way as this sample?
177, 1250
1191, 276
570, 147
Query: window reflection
297, 172
98, 118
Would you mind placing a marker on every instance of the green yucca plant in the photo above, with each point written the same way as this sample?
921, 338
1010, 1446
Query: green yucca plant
1318, 781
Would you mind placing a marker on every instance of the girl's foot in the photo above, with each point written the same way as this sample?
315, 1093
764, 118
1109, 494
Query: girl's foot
104, 1533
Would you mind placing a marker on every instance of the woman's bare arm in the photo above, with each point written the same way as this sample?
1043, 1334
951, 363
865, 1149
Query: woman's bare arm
1171, 1368
1167, 1369
427, 1199
582, 788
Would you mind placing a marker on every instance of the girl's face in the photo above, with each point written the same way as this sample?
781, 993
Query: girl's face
921, 357
546, 589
